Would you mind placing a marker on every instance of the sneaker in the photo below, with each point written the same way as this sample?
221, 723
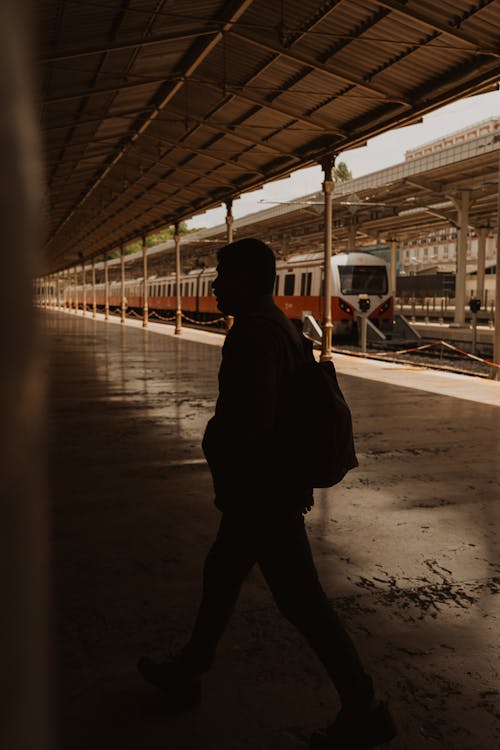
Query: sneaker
182, 685
355, 730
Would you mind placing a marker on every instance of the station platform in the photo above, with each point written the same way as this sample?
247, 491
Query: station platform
406, 547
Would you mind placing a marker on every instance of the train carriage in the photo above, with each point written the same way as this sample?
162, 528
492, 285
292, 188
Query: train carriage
298, 290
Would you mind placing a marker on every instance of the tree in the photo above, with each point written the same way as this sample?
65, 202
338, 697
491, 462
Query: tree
152, 240
341, 172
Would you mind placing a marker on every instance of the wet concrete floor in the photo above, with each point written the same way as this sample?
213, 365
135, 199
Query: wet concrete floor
406, 546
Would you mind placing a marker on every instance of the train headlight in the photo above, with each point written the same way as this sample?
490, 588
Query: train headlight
345, 307
364, 302
385, 306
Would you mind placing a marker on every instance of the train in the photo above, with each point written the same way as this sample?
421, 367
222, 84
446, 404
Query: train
298, 290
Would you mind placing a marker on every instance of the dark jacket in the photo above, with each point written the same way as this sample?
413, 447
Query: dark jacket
251, 442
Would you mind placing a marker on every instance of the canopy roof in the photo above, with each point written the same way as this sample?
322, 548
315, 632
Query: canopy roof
153, 110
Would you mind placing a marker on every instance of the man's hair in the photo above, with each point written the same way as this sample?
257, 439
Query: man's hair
254, 258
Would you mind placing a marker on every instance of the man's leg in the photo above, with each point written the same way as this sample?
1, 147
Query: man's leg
228, 563
288, 567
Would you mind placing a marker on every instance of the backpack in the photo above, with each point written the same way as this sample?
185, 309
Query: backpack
328, 446
326, 440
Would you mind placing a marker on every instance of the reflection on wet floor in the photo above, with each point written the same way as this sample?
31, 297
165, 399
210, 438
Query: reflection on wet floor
407, 548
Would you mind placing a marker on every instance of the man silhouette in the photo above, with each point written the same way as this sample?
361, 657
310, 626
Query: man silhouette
252, 449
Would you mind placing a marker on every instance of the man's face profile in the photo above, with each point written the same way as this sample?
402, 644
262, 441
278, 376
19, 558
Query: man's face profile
231, 288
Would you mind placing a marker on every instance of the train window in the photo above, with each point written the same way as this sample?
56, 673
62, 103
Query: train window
363, 279
305, 283
277, 285
289, 284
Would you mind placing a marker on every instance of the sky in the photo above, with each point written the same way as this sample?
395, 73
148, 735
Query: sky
380, 152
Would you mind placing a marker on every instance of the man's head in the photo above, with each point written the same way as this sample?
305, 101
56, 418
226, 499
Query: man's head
246, 271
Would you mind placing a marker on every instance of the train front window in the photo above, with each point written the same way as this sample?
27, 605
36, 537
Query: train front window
363, 279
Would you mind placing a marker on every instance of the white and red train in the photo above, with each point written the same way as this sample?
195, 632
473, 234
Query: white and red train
298, 290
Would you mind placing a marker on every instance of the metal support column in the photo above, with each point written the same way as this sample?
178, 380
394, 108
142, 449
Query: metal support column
94, 300
351, 236
106, 288
392, 270
145, 285
482, 233
328, 184
496, 336
462, 204
178, 312
75, 281
229, 237
123, 307
84, 289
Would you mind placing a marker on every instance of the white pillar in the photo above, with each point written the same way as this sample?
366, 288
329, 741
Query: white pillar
178, 312
94, 301
328, 185
145, 285
482, 233
122, 285
58, 290
462, 204
106, 288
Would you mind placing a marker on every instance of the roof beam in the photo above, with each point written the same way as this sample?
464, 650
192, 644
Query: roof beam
205, 153
127, 115
325, 128
71, 54
422, 184
352, 80
232, 132
84, 93
163, 160
85, 143
417, 16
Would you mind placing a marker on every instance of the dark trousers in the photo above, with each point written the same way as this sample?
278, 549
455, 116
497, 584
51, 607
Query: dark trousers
279, 545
